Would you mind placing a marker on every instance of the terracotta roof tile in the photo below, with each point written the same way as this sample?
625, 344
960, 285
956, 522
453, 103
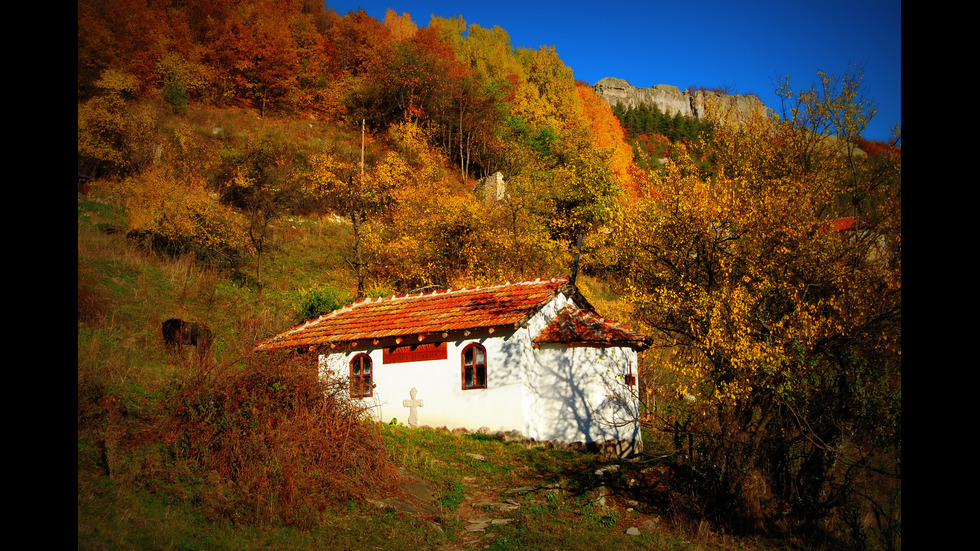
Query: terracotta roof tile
847, 223
577, 326
416, 314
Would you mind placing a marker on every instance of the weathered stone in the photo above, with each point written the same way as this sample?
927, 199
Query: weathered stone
413, 404
477, 527
494, 187
606, 472
651, 524
632, 531
510, 506
670, 99
405, 507
602, 496
417, 487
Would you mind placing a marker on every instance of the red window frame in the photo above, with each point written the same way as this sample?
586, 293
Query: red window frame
474, 366
361, 368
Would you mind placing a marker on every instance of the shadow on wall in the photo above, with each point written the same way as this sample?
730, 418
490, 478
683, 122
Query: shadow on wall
578, 395
575, 394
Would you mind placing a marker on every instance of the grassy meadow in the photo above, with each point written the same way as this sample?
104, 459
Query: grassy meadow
174, 453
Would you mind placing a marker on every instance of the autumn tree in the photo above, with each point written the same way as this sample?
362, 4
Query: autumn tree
437, 233
259, 179
317, 88
231, 53
275, 60
114, 130
780, 321
407, 240
579, 189
406, 85
357, 41
484, 84
359, 190
468, 118
401, 26
169, 204
128, 36
609, 137
549, 97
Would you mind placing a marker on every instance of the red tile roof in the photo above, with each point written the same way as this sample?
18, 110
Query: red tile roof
577, 326
423, 313
845, 224
432, 313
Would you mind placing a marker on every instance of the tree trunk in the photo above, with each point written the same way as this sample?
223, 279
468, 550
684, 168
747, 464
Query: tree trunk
355, 219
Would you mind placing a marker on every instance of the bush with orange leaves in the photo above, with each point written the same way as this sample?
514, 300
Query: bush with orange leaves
274, 443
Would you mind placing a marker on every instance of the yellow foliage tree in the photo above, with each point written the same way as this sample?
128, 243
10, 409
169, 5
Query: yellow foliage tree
548, 98
178, 215
114, 133
358, 195
781, 313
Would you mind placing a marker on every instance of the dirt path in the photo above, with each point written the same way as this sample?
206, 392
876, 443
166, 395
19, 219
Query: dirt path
482, 507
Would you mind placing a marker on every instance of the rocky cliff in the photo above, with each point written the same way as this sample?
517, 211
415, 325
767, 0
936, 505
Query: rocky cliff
669, 99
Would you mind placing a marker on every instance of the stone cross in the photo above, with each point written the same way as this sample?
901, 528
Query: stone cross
413, 405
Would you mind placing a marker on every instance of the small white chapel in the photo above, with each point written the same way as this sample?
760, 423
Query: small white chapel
531, 356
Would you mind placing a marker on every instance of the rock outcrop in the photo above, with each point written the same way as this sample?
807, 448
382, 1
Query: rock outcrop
670, 99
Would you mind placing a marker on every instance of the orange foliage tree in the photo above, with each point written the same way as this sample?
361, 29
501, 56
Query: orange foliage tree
401, 26
609, 137
358, 42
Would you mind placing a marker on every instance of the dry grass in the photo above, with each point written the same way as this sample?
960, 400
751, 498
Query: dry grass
277, 443
245, 439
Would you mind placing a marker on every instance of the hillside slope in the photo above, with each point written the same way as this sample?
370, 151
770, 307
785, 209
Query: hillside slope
139, 489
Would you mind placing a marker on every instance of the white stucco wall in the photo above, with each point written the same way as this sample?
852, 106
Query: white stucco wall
580, 394
548, 393
439, 385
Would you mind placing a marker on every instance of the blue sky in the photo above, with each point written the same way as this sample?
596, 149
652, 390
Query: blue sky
743, 46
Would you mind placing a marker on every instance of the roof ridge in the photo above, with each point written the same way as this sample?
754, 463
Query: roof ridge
406, 296
587, 315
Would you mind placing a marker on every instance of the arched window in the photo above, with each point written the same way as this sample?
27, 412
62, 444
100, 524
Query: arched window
360, 376
474, 367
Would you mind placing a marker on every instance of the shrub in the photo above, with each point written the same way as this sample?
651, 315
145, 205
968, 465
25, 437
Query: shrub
318, 301
873, 148
274, 442
175, 215
175, 93
114, 133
